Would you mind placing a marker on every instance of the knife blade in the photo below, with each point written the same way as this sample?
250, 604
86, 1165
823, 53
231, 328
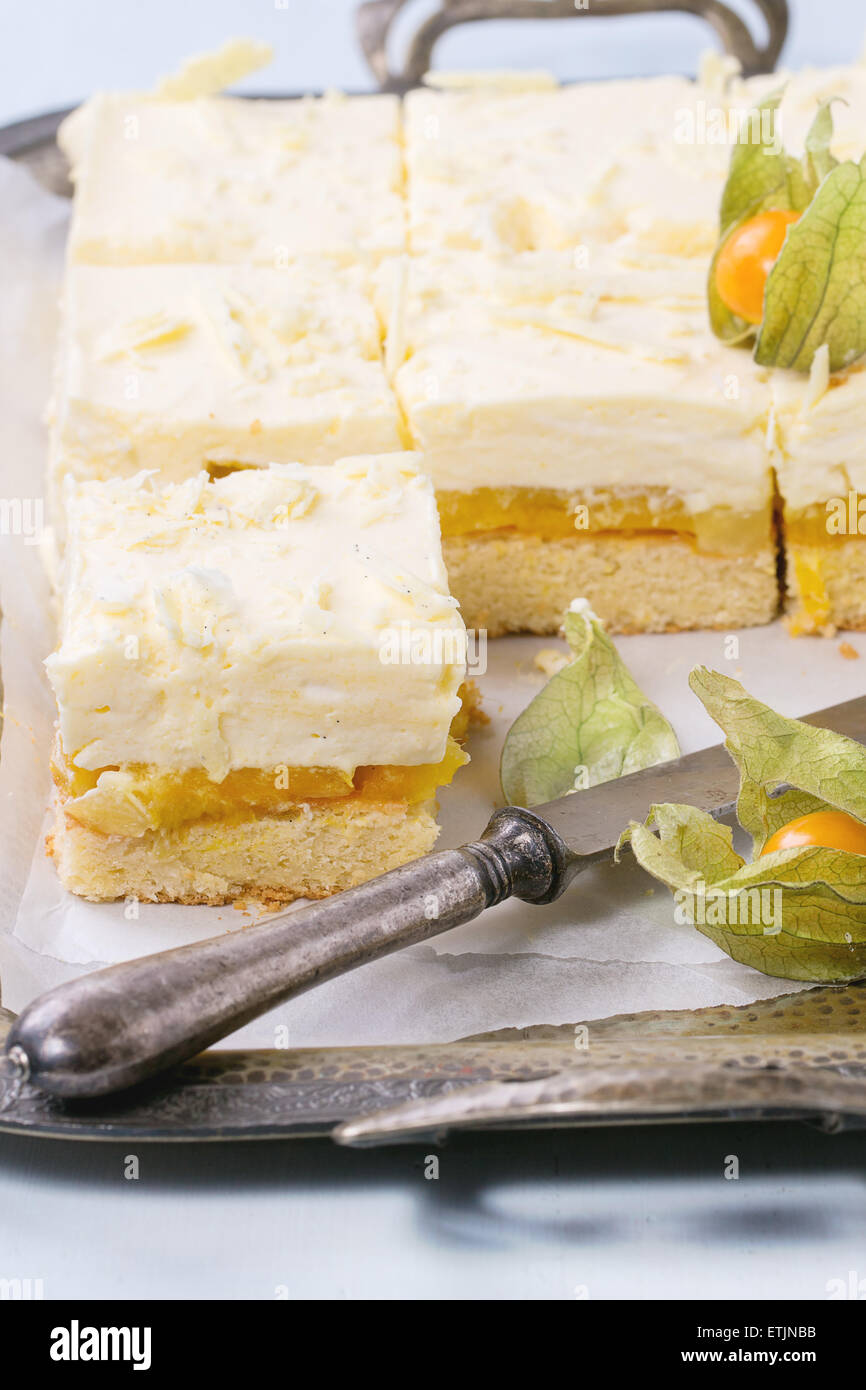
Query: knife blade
114, 1028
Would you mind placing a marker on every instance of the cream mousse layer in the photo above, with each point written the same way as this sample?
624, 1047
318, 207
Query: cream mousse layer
802, 93
256, 621
820, 438
500, 169
177, 367
534, 372
225, 179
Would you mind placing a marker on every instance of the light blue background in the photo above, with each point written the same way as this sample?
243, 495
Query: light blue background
620, 1214
57, 51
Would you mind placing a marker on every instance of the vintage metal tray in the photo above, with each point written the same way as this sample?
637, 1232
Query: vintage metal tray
798, 1056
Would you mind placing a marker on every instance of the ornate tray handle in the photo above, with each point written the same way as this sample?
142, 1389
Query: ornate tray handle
376, 17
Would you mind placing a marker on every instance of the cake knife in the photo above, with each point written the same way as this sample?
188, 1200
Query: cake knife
116, 1027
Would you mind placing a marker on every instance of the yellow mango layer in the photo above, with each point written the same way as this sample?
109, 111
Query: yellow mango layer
553, 515
821, 525
814, 607
134, 798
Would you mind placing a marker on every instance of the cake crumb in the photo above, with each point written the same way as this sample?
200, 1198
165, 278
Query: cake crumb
850, 653
475, 711
549, 660
470, 712
801, 625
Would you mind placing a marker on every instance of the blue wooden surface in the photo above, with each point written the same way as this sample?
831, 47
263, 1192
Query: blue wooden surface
56, 52
615, 1214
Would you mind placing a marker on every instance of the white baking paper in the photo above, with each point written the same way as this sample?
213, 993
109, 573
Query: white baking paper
609, 946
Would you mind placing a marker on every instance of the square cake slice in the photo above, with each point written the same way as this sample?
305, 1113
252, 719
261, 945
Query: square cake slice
227, 179
256, 682
179, 368
586, 435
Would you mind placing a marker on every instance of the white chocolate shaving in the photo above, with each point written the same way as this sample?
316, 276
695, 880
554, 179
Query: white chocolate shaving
207, 73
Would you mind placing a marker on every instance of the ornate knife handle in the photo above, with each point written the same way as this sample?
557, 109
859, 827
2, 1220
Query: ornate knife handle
108, 1030
375, 19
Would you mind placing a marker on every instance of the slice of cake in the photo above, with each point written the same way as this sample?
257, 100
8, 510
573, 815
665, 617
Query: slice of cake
586, 434
819, 437
180, 368
255, 681
224, 179
504, 170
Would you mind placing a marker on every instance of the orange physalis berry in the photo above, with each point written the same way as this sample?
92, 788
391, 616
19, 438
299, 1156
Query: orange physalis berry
746, 260
828, 829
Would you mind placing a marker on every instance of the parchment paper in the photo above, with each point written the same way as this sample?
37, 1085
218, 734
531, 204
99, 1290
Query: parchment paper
609, 946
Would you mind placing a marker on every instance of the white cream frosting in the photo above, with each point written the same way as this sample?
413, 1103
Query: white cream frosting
547, 373
175, 367
242, 623
498, 170
491, 79
820, 435
802, 94
201, 75
225, 179
533, 372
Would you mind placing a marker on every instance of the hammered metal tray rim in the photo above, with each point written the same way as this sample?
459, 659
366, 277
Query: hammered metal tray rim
639, 1069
